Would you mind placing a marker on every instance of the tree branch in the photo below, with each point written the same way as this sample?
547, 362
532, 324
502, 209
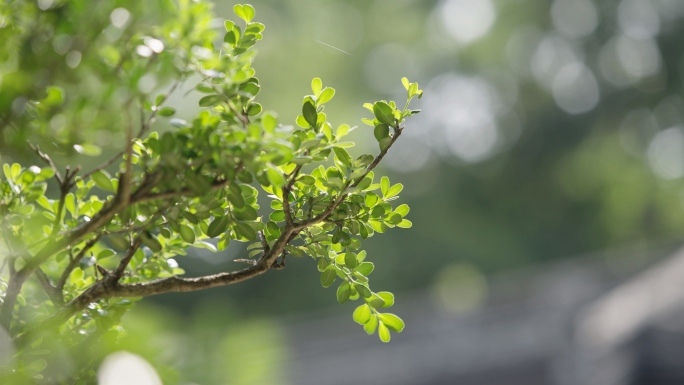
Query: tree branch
52, 292
73, 262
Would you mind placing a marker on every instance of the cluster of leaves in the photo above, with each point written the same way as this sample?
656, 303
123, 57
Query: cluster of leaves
110, 235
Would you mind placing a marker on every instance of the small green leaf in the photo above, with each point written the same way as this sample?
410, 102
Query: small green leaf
384, 185
405, 224
350, 260
405, 82
310, 114
343, 156
343, 293
275, 177
103, 180
316, 86
381, 132
229, 25
394, 190
385, 144
151, 241
88, 149
326, 95
167, 111
371, 325
209, 100
383, 333
384, 113
246, 230
392, 321
269, 122
217, 227
363, 290
362, 314
187, 233
387, 297
328, 277
402, 210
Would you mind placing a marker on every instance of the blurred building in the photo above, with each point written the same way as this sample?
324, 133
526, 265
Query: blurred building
585, 321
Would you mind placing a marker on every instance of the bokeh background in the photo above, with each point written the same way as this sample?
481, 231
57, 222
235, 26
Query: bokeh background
544, 176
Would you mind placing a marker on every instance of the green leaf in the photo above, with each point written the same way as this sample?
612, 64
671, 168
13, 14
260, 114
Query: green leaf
343, 156
402, 210
88, 149
350, 260
316, 86
385, 144
392, 321
230, 37
151, 241
363, 290
209, 100
326, 95
371, 325
393, 191
383, 333
405, 82
217, 227
310, 114
103, 180
384, 113
244, 12
246, 230
269, 122
343, 293
405, 224
301, 122
328, 276
167, 111
187, 233
384, 185
365, 268
381, 132
229, 25
362, 314
275, 177
387, 297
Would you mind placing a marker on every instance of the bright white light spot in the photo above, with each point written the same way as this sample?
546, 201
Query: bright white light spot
73, 59
119, 17
638, 19
172, 263
460, 114
45, 4
143, 51
155, 45
666, 153
123, 368
575, 89
574, 18
639, 58
467, 20
552, 54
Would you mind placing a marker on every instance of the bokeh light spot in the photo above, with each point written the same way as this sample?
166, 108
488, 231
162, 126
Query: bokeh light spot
575, 89
123, 368
467, 20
